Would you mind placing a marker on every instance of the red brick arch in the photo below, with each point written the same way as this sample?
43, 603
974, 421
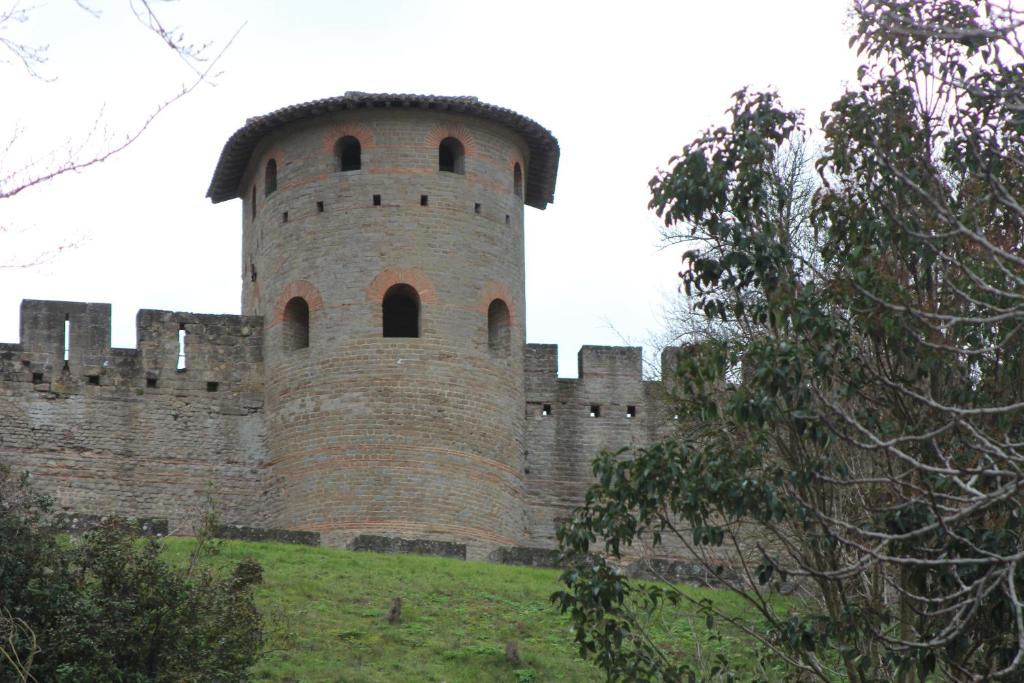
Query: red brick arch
496, 290
302, 288
273, 152
396, 276
513, 158
335, 133
452, 130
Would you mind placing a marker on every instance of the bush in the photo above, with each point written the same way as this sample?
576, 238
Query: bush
107, 607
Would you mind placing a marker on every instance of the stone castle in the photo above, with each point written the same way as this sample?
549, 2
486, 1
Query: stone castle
377, 384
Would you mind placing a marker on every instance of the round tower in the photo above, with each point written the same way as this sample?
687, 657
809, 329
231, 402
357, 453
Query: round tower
383, 247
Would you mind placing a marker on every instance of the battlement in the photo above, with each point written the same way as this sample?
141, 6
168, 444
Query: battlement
608, 376
68, 343
602, 369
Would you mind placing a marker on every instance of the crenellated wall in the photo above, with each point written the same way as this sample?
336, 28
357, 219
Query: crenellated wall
315, 411
569, 421
124, 430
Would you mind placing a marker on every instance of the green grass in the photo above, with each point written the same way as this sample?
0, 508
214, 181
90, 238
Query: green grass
325, 618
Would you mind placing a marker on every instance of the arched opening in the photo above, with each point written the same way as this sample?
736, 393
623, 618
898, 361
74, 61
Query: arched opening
498, 333
270, 179
517, 179
295, 326
349, 154
451, 156
401, 308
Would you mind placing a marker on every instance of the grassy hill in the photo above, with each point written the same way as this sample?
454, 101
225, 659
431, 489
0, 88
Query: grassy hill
325, 617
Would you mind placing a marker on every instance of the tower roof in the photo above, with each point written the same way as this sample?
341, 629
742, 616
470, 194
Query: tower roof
540, 176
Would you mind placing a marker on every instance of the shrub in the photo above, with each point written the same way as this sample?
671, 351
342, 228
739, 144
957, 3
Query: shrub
107, 607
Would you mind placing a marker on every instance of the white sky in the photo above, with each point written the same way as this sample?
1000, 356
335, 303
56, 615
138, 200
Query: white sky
621, 85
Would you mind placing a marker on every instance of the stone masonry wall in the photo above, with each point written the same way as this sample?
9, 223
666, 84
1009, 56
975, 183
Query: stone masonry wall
570, 421
123, 431
410, 437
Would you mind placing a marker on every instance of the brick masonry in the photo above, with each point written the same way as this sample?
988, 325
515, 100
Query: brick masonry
441, 438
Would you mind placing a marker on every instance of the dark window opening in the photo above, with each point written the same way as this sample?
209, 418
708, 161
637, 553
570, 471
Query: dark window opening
401, 308
451, 156
630, 411
296, 324
517, 179
270, 179
423, 200
253, 204
151, 382
595, 411
508, 219
319, 207
252, 271
545, 410
284, 217
212, 386
498, 333
37, 378
94, 380
376, 200
477, 208
349, 154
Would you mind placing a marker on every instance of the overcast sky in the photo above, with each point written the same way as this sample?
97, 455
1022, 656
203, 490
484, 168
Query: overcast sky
623, 86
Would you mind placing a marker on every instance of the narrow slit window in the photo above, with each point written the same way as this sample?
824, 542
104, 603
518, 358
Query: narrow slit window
508, 219
270, 178
401, 311
67, 337
630, 411
296, 324
477, 208
451, 156
181, 347
252, 204
319, 207
517, 180
349, 154
595, 410
498, 332
424, 200
284, 217
252, 271
545, 410
376, 200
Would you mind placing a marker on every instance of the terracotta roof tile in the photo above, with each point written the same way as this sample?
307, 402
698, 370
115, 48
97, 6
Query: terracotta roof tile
540, 176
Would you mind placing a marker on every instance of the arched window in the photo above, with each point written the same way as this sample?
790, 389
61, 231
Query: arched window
295, 326
451, 156
401, 307
517, 179
349, 154
498, 332
270, 179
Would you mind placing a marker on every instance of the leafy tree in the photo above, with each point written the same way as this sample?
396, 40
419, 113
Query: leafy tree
861, 430
108, 608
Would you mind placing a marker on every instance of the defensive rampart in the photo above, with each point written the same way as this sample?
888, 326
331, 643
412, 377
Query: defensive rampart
107, 430
155, 431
